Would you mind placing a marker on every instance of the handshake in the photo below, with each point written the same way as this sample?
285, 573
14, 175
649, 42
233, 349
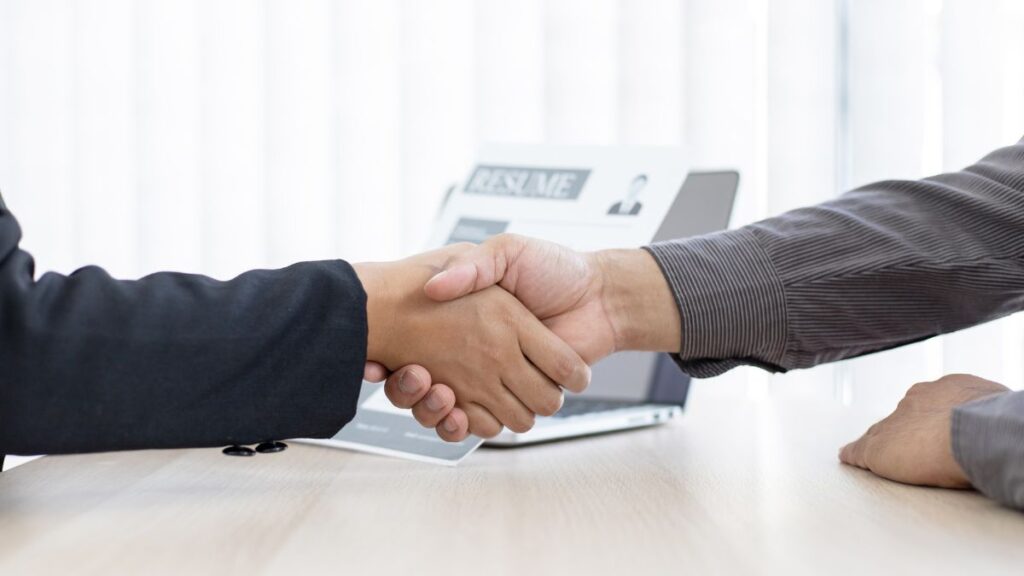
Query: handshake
476, 337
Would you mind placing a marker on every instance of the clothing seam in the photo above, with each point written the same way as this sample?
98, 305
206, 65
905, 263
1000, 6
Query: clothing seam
785, 294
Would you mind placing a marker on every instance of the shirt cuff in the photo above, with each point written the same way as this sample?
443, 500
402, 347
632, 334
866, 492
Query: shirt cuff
988, 443
732, 304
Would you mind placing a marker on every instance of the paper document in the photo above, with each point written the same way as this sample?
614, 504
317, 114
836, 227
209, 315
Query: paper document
587, 198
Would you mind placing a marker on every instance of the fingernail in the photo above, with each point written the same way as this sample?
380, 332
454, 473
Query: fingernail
434, 402
406, 385
450, 425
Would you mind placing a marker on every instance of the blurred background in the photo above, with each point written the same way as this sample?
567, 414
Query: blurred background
219, 135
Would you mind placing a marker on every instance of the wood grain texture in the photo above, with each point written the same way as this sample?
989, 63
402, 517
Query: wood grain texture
748, 488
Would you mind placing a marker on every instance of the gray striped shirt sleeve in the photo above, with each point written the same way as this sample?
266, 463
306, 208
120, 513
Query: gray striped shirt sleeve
988, 443
882, 266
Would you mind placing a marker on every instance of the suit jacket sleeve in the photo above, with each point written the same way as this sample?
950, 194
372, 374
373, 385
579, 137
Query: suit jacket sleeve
90, 363
881, 266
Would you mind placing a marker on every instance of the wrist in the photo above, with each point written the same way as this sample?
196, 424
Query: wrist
638, 301
378, 318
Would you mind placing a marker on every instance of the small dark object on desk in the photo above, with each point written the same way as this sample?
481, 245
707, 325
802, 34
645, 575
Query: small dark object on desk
271, 446
239, 451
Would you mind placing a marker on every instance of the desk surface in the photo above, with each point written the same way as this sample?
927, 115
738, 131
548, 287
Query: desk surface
753, 488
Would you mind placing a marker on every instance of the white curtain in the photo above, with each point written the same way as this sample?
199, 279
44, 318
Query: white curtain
219, 135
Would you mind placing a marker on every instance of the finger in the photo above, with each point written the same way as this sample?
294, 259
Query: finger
482, 423
553, 356
374, 372
538, 393
454, 427
437, 404
854, 453
504, 405
512, 412
407, 386
846, 453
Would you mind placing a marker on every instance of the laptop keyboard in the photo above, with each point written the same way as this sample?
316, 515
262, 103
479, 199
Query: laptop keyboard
578, 406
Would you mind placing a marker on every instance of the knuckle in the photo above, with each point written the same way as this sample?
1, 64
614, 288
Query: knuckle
444, 396
458, 251
877, 429
921, 387
506, 239
426, 416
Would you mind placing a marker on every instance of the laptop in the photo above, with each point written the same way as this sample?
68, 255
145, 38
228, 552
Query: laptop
638, 389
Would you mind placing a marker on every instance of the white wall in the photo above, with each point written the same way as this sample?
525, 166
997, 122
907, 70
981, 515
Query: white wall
221, 135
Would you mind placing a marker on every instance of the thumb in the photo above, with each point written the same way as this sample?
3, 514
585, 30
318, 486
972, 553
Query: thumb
480, 267
455, 282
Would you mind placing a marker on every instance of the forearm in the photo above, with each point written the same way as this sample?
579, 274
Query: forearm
92, 363
988, 443
882, 266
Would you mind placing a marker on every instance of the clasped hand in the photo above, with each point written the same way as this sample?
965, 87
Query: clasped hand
500, 365
479, 337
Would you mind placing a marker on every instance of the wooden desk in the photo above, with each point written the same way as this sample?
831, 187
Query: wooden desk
730, 489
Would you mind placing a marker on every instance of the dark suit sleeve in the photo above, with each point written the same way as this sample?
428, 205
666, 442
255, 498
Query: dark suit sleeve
90, 363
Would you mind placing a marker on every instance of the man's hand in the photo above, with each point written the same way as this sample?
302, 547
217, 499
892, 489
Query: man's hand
913, 445
409, 388
562, 287
433, 405
501, 363
598, 302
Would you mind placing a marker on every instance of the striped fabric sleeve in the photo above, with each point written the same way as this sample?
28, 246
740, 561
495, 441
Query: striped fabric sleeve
884, 265
988, 443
